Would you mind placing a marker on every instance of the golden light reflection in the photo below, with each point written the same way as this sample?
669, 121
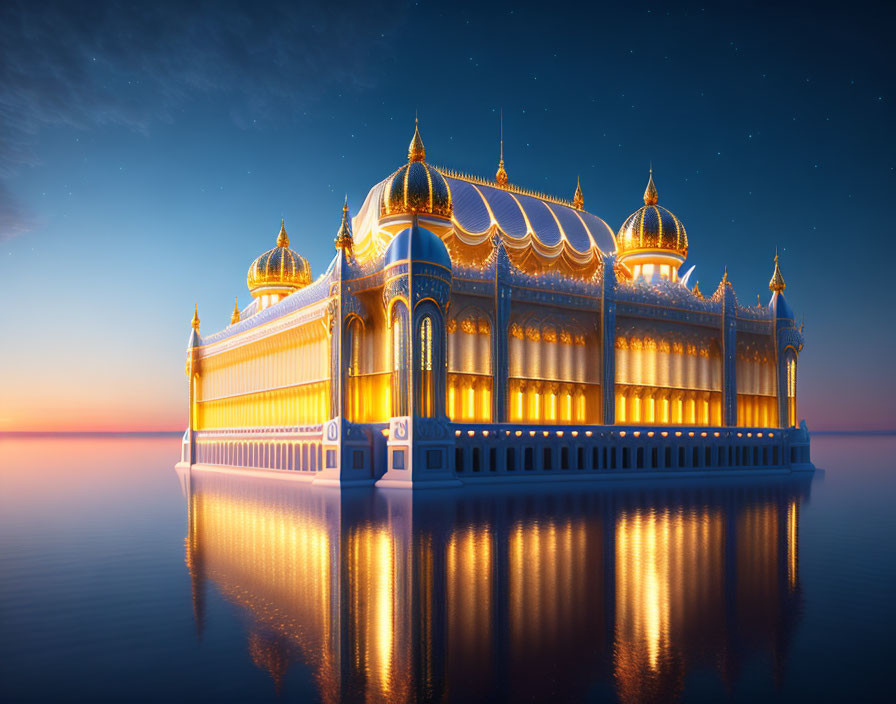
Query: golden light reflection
388, 597
469, 587
669, 583
792, 539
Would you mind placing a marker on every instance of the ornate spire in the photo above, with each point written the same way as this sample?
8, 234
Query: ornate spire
416, 150
650, 195
777, 285
235, 316
501, 175
578, 201
697, 291
344, 235
283, 238
195, 322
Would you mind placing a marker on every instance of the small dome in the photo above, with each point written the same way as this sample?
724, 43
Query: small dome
425, 246
279, 270
652, 227
417, 187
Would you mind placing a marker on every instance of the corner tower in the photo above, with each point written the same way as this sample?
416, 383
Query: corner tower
418, 286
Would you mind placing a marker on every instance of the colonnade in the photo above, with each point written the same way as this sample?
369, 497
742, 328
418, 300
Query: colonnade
294, 455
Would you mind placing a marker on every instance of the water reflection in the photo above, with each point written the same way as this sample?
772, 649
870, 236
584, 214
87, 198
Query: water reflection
541, 592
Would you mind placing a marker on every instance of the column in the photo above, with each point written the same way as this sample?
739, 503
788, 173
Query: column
608, 342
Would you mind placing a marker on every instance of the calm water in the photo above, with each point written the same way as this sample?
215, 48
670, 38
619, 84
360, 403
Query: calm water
120, 582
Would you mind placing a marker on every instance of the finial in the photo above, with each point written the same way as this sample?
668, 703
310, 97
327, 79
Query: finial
578, 201
725, 275
650, 195
235, 316
696, 291
195, 322
758, 301
283, 238
344, 235
501, 175
777, 285
416, 150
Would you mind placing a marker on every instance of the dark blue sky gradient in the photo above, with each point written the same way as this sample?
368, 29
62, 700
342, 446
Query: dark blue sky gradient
147, 156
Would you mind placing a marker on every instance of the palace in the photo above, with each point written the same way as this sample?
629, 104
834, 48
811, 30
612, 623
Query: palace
470, 330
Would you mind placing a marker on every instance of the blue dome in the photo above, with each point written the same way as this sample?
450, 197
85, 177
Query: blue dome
783, 311
426, 246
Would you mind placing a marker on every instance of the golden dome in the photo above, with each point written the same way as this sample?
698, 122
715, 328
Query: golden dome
279, 270
652, 227
417, 187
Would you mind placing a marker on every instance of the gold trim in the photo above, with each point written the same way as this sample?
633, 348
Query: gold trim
469, 178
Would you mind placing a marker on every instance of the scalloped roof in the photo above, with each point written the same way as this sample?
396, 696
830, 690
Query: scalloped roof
526, 220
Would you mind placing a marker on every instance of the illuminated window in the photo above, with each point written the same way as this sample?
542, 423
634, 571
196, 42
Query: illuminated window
791, 389
426, 400
399, 361
354, 397
355, 362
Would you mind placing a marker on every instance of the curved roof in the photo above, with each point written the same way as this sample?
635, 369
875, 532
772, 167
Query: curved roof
539, 232
519, 214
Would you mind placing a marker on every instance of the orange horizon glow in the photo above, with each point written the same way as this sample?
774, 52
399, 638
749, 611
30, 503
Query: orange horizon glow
113, 417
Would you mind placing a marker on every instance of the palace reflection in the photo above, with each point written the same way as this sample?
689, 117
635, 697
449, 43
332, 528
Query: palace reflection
540, 592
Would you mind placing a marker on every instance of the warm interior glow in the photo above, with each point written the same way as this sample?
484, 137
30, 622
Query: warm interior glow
791, 390
426, 382
667, 377
254, 385
469, 368
399, 360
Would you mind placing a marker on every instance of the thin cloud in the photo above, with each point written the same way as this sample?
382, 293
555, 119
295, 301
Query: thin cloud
85, 65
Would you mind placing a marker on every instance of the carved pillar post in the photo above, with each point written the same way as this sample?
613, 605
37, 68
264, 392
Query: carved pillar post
188, 452
729, 357
500, 366
347, 448
608, 342
337, 367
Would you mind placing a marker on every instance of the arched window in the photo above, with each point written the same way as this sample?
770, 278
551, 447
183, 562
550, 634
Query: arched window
354, 400
399, 360
791, 389
426, 389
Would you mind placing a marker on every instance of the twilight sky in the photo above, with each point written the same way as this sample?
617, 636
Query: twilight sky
148, 152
